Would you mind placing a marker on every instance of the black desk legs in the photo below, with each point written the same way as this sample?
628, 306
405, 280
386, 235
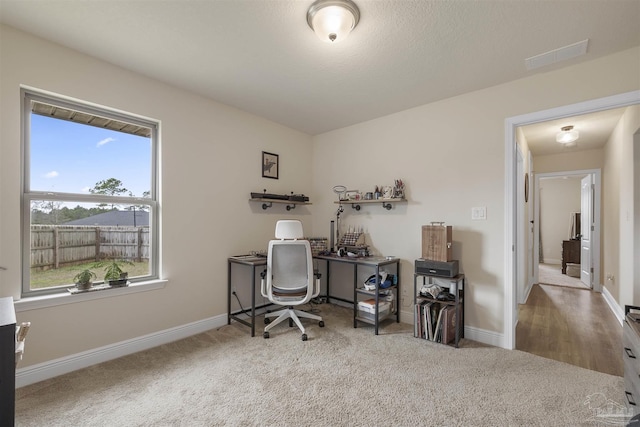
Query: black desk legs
253, 301
355, 295
228, 293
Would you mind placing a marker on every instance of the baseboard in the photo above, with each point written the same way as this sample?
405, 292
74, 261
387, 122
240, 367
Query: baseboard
486, 337
552, 261
53, 368
613, 305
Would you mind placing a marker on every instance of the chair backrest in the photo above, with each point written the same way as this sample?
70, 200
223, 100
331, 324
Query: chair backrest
289, 229
289, 265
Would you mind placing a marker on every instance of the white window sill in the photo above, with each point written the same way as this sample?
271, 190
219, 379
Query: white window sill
34, 303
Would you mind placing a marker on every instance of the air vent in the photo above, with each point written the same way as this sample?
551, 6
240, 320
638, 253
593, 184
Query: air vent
557, 55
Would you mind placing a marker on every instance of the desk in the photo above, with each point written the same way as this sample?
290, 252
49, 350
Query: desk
376, 263
252, 262
259, 263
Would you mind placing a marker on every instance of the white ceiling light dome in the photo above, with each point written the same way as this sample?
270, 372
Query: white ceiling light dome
567, 135
333, 20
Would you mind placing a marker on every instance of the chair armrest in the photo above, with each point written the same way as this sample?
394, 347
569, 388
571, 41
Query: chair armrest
263, 284
316, 286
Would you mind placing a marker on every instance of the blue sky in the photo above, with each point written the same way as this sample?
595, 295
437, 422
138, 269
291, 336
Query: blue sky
71, 158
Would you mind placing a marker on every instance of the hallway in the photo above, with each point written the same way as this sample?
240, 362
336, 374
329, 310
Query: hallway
570, 325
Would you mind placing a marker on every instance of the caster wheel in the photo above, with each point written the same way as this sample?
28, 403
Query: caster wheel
304, 337
321, 323
265, 335
267, 320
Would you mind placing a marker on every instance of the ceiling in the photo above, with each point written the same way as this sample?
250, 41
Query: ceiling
594, 130
261, 57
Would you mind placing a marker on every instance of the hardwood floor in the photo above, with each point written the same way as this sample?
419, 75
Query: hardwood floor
570, 325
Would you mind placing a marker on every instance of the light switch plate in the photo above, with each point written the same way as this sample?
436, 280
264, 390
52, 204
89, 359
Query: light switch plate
479, 213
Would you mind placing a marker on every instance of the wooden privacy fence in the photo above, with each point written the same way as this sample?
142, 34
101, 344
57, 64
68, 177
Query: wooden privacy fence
54, 246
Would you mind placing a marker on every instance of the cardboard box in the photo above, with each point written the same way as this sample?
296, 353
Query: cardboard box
369, 305
436, 242
367, 310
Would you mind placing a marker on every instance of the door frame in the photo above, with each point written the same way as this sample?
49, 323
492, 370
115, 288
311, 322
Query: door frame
596, 178
511, 250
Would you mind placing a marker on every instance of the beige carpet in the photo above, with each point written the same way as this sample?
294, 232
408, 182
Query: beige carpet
341, 377
551, 274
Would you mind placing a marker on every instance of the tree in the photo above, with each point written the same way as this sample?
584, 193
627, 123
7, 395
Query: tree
111, 187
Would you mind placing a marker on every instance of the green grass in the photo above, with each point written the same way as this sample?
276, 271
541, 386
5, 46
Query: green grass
64, 276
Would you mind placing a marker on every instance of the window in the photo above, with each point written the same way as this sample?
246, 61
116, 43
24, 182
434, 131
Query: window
89, 192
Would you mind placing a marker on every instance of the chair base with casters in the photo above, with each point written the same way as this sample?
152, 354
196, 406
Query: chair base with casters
289, 279
290, 313
294, 316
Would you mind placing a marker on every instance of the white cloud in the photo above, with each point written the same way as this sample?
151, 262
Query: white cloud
105, 141
51, 174
85, 189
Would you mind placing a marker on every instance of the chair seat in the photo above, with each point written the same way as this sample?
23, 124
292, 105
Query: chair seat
301, 291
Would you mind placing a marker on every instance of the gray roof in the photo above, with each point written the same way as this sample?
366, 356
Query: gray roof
115, 218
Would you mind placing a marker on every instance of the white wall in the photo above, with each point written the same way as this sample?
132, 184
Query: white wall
618, 210
559, 197
451, 155
580, 160
210, 162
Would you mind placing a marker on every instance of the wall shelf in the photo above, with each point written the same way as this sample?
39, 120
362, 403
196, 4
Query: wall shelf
267, 203
386, 203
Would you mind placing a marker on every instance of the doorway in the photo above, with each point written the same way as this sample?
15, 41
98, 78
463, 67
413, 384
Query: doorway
567, 228
512, 246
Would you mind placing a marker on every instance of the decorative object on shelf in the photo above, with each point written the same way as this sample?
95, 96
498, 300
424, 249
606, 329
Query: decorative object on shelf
398, 189
84, 279
270, 165
290, 200
387, 192
333, 20
376, 193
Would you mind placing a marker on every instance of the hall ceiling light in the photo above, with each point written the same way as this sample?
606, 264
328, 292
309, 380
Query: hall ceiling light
333, 20
567, 135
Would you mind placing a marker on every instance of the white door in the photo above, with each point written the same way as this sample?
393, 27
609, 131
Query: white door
586, 228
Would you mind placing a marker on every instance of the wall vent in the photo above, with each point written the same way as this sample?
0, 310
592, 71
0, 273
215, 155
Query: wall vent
557, 55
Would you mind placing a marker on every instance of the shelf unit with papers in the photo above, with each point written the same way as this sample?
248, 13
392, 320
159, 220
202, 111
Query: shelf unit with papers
434, 319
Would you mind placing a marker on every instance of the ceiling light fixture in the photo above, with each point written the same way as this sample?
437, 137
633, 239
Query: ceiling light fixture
567, 135
333, 20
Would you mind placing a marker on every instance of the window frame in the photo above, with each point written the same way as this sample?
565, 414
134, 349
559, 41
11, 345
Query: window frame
29, 95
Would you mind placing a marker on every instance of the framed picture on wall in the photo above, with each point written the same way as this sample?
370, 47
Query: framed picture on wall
270, 165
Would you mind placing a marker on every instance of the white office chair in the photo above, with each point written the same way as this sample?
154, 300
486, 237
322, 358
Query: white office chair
289, 279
